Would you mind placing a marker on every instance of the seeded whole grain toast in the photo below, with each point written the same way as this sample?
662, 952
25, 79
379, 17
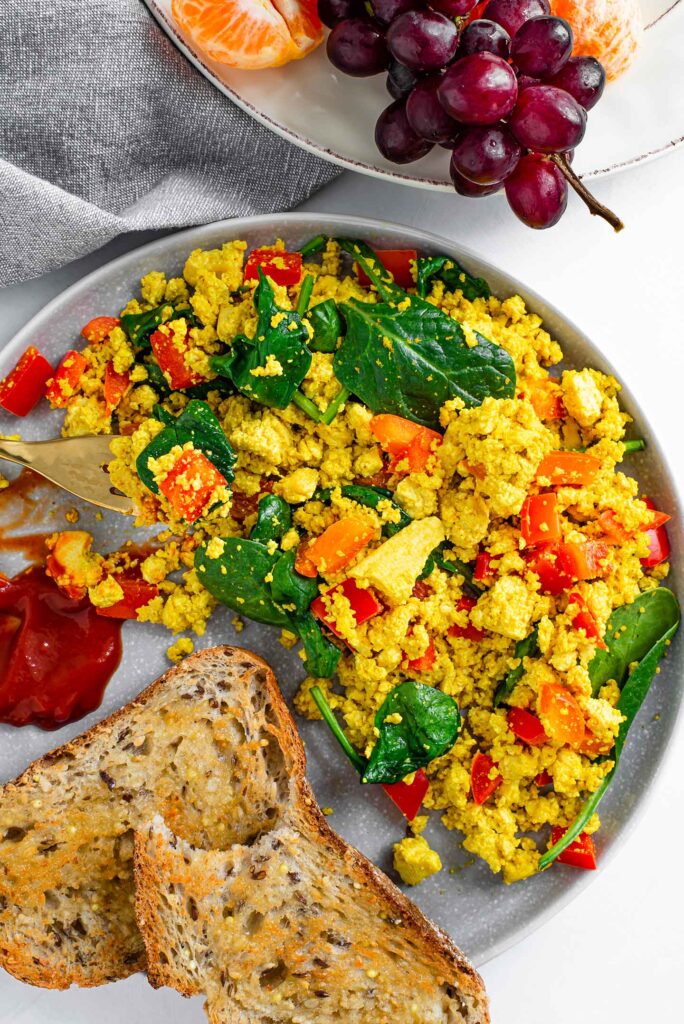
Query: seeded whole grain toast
242, 890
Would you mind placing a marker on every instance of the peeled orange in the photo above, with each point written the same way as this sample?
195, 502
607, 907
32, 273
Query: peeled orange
250, 34
609, 30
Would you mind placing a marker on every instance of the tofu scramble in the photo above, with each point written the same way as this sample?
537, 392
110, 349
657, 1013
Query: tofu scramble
402, 522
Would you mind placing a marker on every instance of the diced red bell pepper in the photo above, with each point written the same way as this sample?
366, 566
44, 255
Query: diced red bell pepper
544, 562
540, 520
399, 262
137, 592
543, 779
115, 386
171, 360
562, 469
583, 619
483, 566
408, 798
426, 660
481, 784
612, 527
527, 727
584, 561
190, 484
546, 397
421, 590
283, 268
468, 632
24, 386
99, 328
658, 541
364, 604
65, 383
579, 854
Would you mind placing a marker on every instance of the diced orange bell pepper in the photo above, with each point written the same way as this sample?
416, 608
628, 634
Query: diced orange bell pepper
340, 544
99, 329
584, 561
425, 661
400, 264
482, 785
65, 383
561, 714
364, 604
24, 386
190, 484
467, 632
584, 620
527, 727
561, 469
612, 527
115, 386
283, 268
421, 448
540, 520
137, 592
172, 362
592, 746
579, 854
546, 396
404, 439
303, 564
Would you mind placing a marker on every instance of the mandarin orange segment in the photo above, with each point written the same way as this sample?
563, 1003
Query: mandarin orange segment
249, 34
609, 30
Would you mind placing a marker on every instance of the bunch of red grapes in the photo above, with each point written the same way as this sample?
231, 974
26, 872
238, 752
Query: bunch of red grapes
502, 92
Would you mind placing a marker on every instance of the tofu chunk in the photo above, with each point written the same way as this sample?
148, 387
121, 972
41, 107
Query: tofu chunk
506, 609
394, 567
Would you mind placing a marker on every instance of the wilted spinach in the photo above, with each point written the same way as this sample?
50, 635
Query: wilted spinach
371, 498
633, 693
326, 325
454, 276
274, 519
281, 335
525, 648
196, 423
157, 380
405, 356
139, 326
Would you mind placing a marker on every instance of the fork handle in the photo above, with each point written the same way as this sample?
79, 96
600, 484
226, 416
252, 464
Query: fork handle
15, 451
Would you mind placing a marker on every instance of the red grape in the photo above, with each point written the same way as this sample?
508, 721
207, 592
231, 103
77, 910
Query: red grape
425, 113
479, 89
396, 139
541, 46
548, 120
469, 188
512, 13
333, 11
357, 47
387, 10
482, 35
453, 8
423, 40
400, 80
537, 192
584, 78
525, 81
485, 155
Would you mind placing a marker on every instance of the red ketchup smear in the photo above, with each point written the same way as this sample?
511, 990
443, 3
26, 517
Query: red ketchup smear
56, 654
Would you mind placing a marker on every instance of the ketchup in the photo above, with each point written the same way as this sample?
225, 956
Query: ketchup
56, 653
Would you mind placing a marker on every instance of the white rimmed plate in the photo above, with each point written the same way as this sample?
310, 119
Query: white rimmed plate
640, 116
482, 914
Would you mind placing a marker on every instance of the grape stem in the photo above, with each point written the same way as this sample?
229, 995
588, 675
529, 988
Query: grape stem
585, 195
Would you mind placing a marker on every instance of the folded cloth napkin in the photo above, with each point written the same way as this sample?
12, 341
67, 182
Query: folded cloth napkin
105, 127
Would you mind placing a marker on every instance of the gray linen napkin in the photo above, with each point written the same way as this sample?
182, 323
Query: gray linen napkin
105, 127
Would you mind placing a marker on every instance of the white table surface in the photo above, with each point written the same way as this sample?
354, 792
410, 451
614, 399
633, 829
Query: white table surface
616, 954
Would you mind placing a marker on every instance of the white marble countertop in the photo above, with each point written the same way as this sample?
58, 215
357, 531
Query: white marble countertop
616, 953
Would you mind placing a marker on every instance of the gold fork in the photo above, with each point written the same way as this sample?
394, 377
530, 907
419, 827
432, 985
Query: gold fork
77, 464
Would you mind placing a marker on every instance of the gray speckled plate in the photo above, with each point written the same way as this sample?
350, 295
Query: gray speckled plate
483, 915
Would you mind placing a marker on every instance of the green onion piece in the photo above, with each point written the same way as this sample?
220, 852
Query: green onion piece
638, 445
314, 245
334, 406
328, 716
307, 406
325, 416
305, 294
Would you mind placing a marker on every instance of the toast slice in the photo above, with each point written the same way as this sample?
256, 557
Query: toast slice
294, 926
181, 750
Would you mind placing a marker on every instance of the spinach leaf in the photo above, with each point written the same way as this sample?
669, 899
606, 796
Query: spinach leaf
370, 497
157, 380
405, 356
326, 324
428, 724
632, 697
237, 578
281, 335
198, 424
274, 519
631, 632
139, 326
322, 655
454, 276
455, 565
290, 588
526, 648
